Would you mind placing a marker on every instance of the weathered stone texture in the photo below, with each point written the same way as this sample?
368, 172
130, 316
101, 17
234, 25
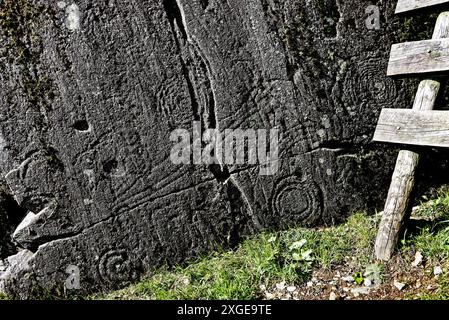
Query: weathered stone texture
91, 90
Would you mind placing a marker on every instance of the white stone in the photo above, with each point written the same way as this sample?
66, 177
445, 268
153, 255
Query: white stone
270, 296
418, 259
437, 270
367, 282
348, 279
281, 285
399, 285
358, 291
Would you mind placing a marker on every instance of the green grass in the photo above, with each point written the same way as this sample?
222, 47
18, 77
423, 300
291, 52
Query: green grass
265, 259
230, 275
333, 246
441, 293
432, 239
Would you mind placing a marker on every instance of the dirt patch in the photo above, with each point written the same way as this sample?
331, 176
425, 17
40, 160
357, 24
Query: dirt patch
399, 280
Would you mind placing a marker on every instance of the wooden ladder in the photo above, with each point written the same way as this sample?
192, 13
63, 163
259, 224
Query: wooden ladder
418, 126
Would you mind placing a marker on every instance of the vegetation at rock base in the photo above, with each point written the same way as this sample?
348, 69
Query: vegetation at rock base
319, 263
316, 263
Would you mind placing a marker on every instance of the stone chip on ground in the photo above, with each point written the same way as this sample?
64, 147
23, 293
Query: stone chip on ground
418, 259
437, 270
360, 291
399, 285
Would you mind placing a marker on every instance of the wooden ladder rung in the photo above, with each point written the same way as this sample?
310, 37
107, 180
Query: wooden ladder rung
427, 56
409, 5
405, 126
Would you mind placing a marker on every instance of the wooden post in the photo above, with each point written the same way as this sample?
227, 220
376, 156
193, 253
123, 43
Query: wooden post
403, 177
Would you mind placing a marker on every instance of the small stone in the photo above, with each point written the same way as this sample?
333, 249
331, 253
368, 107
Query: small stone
358, 291
262, 287
418, 259
310, 284
281, 285
332, 296
291, 289
182, 281
269, 296
348, 279
367, 282
437, 271
399, 285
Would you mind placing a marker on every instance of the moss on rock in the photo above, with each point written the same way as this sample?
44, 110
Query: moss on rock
22, 46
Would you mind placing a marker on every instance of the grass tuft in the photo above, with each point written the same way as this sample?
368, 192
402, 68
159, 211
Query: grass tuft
432, 239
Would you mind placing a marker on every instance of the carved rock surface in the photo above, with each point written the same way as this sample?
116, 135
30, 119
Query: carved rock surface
91, 90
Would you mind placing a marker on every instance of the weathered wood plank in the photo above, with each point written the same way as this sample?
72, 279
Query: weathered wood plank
410, 5
422, 128
404, 175
427, 56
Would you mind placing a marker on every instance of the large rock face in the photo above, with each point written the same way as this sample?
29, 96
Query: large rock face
91, 90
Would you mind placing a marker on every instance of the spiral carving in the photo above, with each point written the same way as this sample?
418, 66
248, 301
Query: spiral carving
297, 200
364, 83
115, 266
